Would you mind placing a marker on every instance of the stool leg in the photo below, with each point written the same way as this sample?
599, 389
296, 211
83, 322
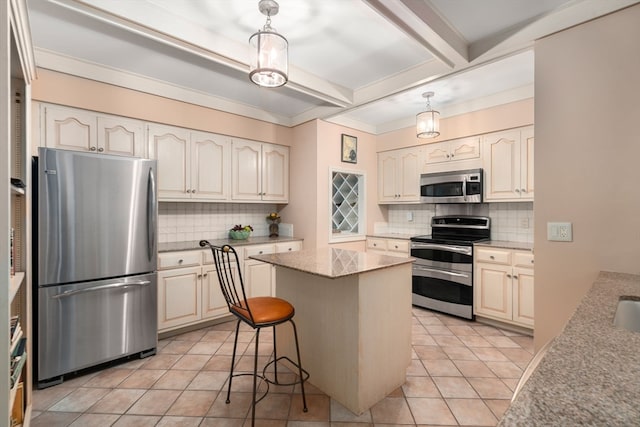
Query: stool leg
255, 379
233, 360
295, 334
275, 356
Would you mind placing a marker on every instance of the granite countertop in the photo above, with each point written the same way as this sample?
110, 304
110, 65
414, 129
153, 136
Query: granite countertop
505, 244
400, 236
589, 375
195, 244
331, 262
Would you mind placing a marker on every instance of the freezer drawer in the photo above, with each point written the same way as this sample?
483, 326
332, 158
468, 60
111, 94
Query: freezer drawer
85, 324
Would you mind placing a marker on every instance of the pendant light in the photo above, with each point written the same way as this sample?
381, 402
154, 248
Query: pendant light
428, 122
268, 62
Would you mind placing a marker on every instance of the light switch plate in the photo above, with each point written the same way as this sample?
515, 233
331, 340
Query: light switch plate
559, 232
409, 216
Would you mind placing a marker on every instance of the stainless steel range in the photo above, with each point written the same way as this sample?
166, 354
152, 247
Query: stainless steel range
443, 270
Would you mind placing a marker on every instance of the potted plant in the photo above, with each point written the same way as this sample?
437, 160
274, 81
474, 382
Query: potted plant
240, 232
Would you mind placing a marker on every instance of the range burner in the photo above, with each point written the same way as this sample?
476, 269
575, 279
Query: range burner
457, 229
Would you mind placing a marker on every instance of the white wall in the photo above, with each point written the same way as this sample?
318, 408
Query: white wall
587, 111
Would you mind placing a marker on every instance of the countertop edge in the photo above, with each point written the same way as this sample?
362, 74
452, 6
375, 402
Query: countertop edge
195, 244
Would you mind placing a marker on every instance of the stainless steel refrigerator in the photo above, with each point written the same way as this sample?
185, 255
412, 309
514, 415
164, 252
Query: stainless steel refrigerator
95, 286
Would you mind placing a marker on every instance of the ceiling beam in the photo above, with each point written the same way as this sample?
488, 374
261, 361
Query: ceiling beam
420, 21
299, 80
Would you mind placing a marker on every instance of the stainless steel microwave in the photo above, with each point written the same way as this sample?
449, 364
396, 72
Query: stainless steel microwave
452, 187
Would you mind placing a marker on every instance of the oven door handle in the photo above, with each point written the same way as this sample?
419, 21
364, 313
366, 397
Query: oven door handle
462, 249
450, 273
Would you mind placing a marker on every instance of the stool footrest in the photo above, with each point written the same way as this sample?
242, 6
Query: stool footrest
276, 382
262, 380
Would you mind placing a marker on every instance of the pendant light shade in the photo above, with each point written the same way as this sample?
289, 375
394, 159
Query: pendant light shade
269, 57
428, 122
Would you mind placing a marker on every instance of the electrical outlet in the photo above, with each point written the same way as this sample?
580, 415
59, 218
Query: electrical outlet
559, 232
409, 216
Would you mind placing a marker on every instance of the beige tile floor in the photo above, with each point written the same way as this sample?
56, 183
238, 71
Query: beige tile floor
462, 373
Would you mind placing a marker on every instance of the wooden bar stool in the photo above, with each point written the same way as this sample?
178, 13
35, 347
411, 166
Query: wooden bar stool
257, 312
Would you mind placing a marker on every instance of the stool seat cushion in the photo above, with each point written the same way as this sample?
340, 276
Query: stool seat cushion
265, 310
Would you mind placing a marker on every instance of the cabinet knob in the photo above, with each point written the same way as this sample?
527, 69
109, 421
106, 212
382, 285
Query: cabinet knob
517, 190
448, 156
531, 261
260, 253
193, 191
395, 246
188, 191
452, 155
290, 249
204, 275
523, 190
509, 276
100, 150
492, 257
92, 149
515, 276
199, 276
180, 261
375, 244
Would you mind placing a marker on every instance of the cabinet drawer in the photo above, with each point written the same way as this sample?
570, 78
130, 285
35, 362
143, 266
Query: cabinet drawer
523, 259
497, 256
288, 247
179, 259
398, 246
258, 250
376, 244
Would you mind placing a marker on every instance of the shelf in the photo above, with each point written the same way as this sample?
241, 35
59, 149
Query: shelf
15, 283
17, 190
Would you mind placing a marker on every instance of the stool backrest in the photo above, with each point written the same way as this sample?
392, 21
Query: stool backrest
230, 278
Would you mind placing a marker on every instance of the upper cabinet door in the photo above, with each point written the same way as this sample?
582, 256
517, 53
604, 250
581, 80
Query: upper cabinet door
275, 173
409, 175
210, 166
121, 136
246, 169
170, 147
502, 165
526, 164
508, 165
388, 176
70, 129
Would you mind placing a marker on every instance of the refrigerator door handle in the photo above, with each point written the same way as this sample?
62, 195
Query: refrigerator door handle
101, 288
152, 214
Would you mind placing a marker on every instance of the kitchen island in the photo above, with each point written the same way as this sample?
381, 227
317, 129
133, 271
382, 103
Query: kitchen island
353, 314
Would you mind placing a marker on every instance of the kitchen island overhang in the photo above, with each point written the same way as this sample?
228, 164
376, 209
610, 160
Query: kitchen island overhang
353, 313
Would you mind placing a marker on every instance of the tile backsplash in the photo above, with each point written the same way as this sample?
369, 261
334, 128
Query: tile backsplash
181, 221
509, 221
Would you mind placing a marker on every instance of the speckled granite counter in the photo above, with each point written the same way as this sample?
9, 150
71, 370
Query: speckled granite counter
506, 244
195, 244
332, 263
591, 373
399, 236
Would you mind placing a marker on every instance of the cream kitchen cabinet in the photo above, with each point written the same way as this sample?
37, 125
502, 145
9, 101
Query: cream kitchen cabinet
83, 130
386, 246
453, 150
508, 165
192, 165
260, 277
260, 172
503, 285
399, 176
188, 289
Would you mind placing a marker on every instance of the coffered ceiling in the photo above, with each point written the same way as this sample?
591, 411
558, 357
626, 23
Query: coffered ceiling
360, 63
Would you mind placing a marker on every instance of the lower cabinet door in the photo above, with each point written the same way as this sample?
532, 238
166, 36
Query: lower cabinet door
493, 291
258, 278
523, 296
213, 302
179, 294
